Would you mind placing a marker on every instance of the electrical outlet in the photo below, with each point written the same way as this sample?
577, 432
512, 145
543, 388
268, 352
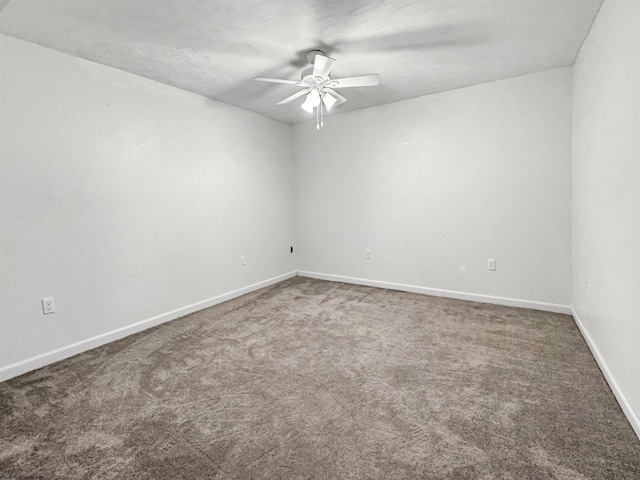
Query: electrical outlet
48, 306
491, 264
367, 254
589, 289
243, 260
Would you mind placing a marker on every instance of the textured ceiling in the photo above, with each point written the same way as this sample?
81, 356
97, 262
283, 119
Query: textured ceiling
217, 47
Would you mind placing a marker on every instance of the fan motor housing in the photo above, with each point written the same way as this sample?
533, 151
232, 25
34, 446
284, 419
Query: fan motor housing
306, 77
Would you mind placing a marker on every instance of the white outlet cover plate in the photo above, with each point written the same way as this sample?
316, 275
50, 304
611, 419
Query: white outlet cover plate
48, 306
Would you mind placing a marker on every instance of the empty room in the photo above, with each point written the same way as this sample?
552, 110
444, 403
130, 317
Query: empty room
320, 240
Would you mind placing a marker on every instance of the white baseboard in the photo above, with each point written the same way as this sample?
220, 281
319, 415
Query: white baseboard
626, 407
436, 292
58, 354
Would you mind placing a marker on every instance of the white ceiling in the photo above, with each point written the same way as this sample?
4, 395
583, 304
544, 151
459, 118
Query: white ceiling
217, 47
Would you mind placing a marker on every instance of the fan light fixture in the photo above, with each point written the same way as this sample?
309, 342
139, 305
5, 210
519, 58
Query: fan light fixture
312, 101
329, 100
317, 86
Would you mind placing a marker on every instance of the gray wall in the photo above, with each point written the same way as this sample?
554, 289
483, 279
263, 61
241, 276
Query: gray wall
606, 195
437, 185
126, 199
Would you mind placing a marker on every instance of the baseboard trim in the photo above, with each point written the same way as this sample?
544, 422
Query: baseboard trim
58, 354
626, 407
436, 292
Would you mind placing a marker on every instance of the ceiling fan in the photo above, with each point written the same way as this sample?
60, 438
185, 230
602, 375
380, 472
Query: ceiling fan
319, 87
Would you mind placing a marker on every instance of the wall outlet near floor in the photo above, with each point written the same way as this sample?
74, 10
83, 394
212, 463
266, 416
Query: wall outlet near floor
48, 306
367, 254
243, 260
491, 264
589, 289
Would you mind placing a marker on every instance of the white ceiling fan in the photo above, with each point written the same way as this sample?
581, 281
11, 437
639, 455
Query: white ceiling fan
319, 87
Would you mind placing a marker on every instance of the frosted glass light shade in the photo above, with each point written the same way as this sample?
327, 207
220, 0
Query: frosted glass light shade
329, 100
312, 101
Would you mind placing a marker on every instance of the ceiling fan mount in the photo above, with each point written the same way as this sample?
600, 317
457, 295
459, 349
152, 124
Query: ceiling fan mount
311, 55
318, 86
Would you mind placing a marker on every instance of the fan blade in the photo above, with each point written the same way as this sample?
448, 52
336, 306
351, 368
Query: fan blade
322, 66
339, 98
361, 81
291, 98
278, 80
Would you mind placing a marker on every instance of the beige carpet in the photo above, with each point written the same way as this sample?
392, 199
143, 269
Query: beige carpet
317, 380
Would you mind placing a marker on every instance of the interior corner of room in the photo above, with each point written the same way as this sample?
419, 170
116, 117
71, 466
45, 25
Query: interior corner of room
133, 203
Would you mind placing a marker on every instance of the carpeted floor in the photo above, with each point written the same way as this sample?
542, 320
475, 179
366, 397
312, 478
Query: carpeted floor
316, 380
